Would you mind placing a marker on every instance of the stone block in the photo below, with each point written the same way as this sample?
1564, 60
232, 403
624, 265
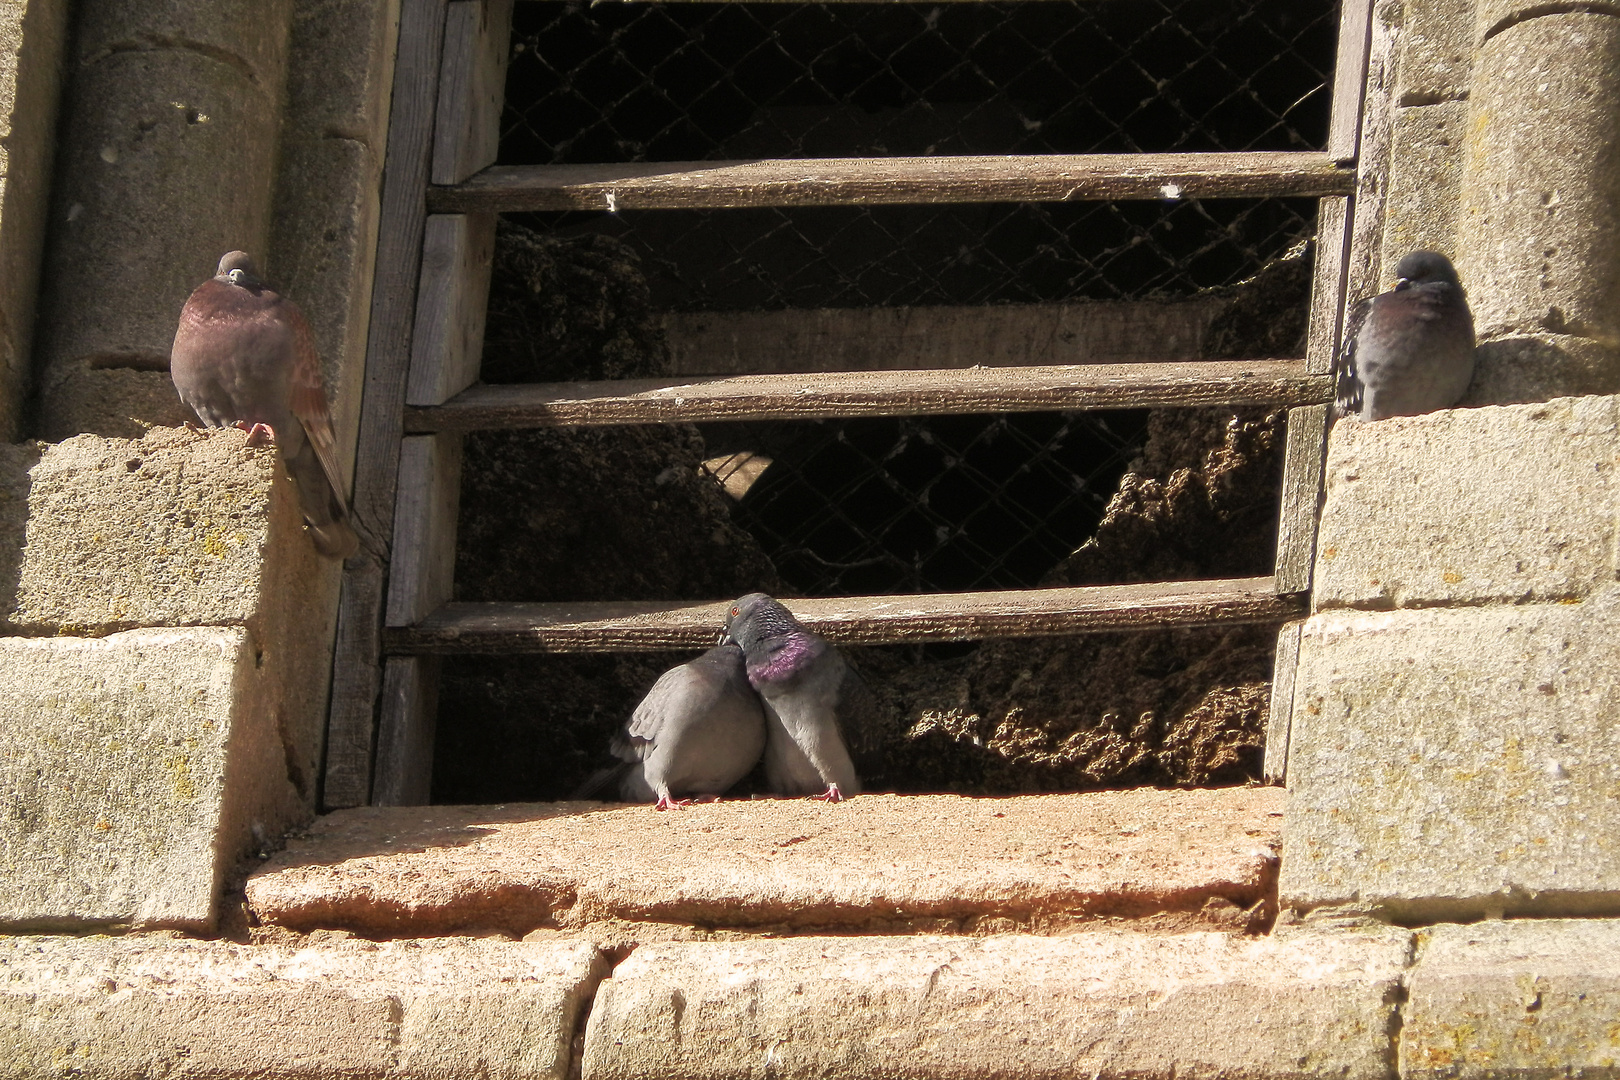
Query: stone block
1540, 221
340, 68
1519, 368
447, 1009
1471, 506
1436, 52
1425, 173
118, 402
168, 162
137, 767
1456, 763
1523, 998
33, 40
177, 528
1304, 1004
1030, 862
250, 35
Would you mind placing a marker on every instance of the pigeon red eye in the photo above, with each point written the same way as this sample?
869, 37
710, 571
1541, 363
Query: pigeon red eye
733, 611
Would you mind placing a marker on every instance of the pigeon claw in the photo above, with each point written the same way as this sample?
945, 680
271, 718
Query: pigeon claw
667, 803
258, 434
832, 794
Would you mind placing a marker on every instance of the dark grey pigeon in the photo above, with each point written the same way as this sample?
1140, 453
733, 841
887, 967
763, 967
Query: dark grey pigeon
698, 731
1410, 350
812, 696
245, 357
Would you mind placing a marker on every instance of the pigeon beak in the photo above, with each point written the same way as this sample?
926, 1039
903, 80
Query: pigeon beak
1403, 283
726, 638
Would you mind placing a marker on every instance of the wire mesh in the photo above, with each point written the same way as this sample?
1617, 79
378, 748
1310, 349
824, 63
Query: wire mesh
676, 82
922, 504
938, 503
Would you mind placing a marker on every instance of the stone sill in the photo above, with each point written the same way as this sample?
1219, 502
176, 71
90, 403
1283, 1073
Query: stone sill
1163, 860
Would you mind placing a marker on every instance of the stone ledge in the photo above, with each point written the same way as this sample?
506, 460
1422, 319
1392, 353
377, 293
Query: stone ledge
1526, 998
876, 862
144, 1006
1456, 763
1302, 1004
1469, 506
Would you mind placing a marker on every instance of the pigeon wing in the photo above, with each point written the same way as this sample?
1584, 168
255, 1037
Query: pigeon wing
667, 698
309, 402
1347, 388
861, 724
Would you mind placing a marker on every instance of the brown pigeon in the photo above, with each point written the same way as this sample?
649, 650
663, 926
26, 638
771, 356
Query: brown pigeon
245, 357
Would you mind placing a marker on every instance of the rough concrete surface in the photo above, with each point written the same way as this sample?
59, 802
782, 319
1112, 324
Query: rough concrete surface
178, 528
33, 39
1436, 52
1454, 763
1528, 997
877, 862
1117, 1004
123, 803
1425, 173
1470, 506
1541, 210
434, 1010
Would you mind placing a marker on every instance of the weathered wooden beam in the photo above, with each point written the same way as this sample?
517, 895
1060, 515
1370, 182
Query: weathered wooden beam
1349, 79
472, 88
873, 393
357, 666
687, 185
1304, 452
860, 620
451, 301
410, 713
1280, 720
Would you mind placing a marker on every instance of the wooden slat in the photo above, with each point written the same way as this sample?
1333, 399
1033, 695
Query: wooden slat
1349, 79
1280, 722
862, 620
1000, 335
410, 711
874, 393
1301, 496
472, 88
680, 185
1329, 279
424, 565
357, 670
448, 343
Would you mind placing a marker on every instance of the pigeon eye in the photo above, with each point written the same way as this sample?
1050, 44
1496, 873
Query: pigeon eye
733, 612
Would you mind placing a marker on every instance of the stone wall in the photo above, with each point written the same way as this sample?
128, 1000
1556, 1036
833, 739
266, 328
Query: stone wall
170, 626
1453, 752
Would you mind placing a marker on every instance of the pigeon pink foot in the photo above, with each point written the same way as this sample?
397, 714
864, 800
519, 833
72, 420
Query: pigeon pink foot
258, 434
667, 803
831, 795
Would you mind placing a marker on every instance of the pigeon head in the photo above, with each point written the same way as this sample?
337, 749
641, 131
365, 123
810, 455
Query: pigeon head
237, 268
1422, 267
756, 618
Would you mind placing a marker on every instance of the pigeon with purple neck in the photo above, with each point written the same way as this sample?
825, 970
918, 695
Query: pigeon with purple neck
1410, 350
811, 694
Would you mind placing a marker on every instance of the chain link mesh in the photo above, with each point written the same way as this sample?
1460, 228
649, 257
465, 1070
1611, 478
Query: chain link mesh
936, 503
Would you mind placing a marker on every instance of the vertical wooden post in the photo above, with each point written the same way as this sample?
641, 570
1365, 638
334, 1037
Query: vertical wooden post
472, 88
1280, 723
357, 668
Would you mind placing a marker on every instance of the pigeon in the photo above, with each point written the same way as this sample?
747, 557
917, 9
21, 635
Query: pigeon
245, 357
1410, 350
811, 697
698, 731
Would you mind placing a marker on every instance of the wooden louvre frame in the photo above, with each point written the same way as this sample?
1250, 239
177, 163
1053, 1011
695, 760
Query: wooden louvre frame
441, 193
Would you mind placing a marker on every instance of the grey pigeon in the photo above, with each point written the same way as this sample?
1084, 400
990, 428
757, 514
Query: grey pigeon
245, 357
812, 696
698, 731
1410, 350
